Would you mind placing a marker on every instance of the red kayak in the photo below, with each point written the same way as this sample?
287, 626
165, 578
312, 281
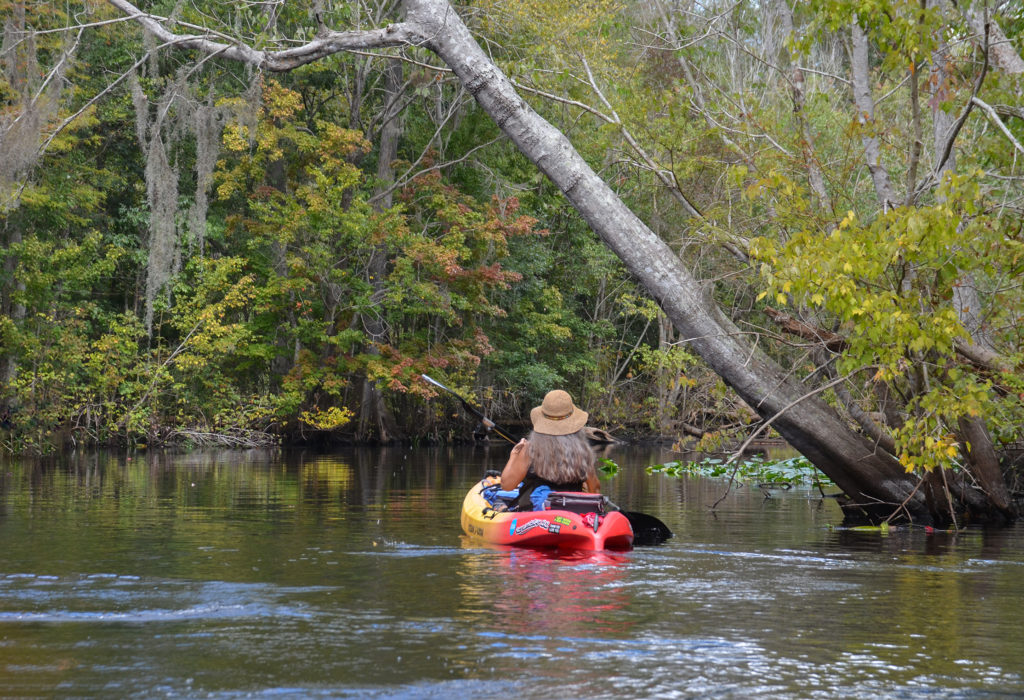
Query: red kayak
560, 527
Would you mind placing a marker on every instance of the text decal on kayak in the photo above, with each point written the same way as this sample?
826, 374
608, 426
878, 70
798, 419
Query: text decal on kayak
535, 523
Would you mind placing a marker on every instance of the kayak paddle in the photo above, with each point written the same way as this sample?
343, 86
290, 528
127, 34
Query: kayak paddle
488, 423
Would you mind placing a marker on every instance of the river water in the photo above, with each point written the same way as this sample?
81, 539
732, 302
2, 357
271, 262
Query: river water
294, 574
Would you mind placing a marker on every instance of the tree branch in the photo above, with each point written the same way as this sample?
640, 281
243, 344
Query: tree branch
327, 44
667, 178
994, 118
746, 443
866, 420
959, 124
831, 341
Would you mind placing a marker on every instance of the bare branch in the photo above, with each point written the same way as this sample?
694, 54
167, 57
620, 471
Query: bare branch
915, 145
331, 42
407, 178
867, 421
815, 176
764, 426
831, 341
947, 150
698, 95
157, 374
565, 101
1009, 111
994, 118
667, 178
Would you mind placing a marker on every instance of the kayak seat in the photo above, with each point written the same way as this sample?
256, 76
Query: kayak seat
498, 498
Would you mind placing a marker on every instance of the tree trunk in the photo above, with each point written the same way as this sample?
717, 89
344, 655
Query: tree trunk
374, 413
988, 34
815, 177
866, 107
973, 433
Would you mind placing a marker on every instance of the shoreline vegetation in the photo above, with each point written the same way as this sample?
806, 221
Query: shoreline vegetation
459, 431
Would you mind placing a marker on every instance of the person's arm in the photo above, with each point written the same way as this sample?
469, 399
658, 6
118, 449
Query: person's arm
593, 483
517, 466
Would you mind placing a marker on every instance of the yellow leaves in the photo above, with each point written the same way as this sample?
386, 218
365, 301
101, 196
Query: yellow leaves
235, 138
634, 305
330, 419
921, 343
280, 102
341, 142
908, 462
916, 224
552, 25
754, 191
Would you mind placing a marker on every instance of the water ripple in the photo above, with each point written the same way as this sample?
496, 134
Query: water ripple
214, 611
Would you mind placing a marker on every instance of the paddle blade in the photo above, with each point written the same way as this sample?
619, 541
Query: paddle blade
647, 530
436, 383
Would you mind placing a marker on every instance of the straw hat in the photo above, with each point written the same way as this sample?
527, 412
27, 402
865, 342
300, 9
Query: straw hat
557, 415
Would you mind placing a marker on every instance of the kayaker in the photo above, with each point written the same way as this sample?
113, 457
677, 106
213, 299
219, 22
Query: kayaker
555, 457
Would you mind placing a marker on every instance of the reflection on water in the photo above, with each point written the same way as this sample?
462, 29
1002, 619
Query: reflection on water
221, 574
549, 592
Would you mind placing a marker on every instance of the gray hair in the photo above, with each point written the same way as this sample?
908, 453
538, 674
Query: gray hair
561, 459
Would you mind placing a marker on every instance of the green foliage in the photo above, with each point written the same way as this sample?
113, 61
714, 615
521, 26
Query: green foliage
905, 31
314, 240
266, 324
889, 283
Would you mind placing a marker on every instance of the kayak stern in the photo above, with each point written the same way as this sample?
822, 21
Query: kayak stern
559, 529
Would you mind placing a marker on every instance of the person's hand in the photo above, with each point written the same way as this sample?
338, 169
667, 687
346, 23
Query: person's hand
517, 466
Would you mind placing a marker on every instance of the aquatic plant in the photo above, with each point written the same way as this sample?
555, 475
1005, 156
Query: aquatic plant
794, 471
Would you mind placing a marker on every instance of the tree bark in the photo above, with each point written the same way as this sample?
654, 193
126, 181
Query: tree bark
815, 177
